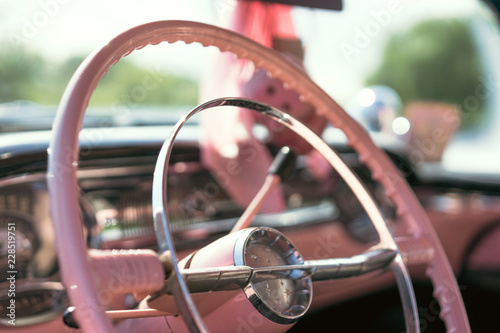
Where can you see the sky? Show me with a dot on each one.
(61, 28)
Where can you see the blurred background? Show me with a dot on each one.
(423, 72)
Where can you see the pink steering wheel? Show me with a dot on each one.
(76, 261)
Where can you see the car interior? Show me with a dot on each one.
(250, 166)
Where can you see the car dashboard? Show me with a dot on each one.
(115, 178)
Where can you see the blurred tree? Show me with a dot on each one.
(28, 76)
(18, 72)
(128, 84)
(434, 61)
(51, 80)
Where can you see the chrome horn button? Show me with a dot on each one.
(282, 296)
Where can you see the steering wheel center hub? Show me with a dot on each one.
(282, 296)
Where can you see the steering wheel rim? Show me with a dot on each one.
(64, 155)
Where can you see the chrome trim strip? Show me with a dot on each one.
(27, 288)
(211, 279)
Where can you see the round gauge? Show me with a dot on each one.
(283, 296)
(18, 242)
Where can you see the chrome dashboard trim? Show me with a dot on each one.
(28, 287)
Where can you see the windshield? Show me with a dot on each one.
(423, 73)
